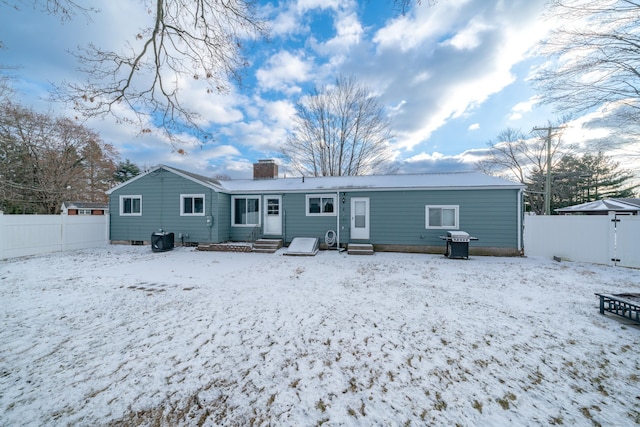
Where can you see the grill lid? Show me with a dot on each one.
(458, 236)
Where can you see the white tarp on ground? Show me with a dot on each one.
(303, 246)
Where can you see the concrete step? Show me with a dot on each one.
(267, 246)
(360, 249)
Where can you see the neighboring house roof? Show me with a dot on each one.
(606, 205)
(453, 180)
(84, 205)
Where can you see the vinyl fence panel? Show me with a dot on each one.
(627, 243)
(584, 238)
(22, 235)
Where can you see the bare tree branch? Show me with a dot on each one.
(66, 9)
(518, 155)
(199, 40)
(594, 60)
(403, 6)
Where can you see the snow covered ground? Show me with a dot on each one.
(125, 336)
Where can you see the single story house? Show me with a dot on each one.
(603, 207)
(84, 208)
(392, 212)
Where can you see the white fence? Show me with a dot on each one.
(599, 239)
(612, 240)
(22, 235)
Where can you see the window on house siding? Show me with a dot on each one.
(131, 205)
(441, 217)
(192, 204)
(245, 211)
(318, 205)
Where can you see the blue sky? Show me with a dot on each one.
(451, 75)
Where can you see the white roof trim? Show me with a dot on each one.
(135, 178)
(434, 181)
(440, 181)
(170, 169)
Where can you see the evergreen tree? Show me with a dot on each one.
(580, 179)
(125, 171)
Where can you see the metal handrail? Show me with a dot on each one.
(254, 234)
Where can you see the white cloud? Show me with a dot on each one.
(258, 135)
(280, 112)
(438, 162)
(469, 37)
(523, 107)
(423, 25)
(213, 108)
(286, 22)
(448, 59)
(304, 6)
(283, 70)
(474, 126)
(349, 32)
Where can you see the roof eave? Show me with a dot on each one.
(172, 170)
(135, 178)
(373, 189)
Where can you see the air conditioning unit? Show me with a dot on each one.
(161, 241)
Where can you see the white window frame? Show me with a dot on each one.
(130, 196)
(321, 196)
(192, 196)
(84, 211)
(233, 211)
(456, 209)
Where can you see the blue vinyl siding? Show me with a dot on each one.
(160, 191)
(397, 217)
(222, 222)
(298, 224)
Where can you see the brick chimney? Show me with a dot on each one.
(265, 169)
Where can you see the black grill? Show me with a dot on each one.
(457, 244)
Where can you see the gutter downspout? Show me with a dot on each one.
(339, 203)
(520, 214)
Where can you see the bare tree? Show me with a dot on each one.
(184, 39)
(516, 155)
(595, 59)
(42, 161)
(339, 130)
(99, 166)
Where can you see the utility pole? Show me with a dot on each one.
(547, 187)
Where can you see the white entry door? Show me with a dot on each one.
(272, 216)
(360, 218)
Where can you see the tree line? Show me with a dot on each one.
(576, 176)
(46, 160)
